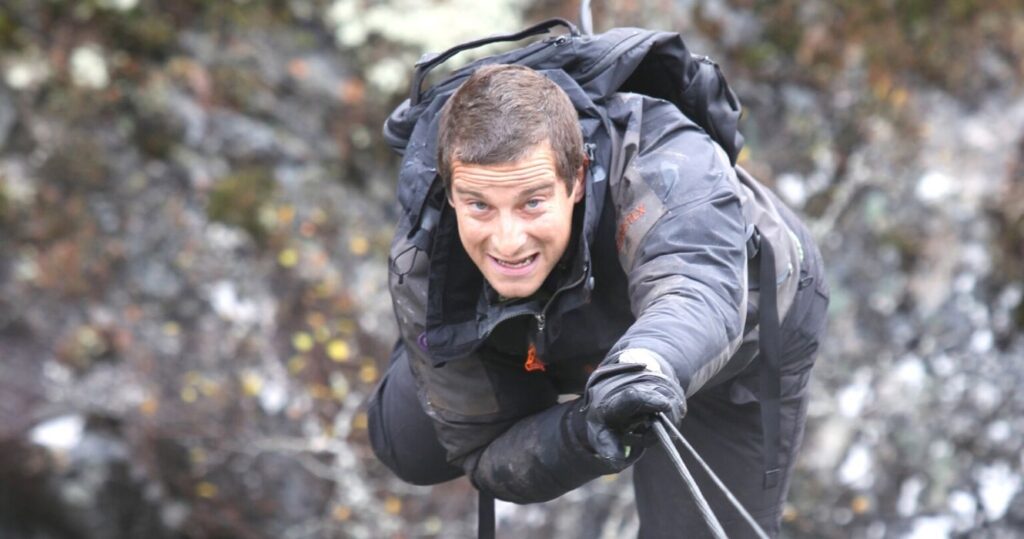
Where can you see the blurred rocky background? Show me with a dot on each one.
(196, 204)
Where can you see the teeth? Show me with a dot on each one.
(519, 264)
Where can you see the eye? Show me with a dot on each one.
(533, 203)
(478, 206)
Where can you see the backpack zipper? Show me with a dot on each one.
(610, 56)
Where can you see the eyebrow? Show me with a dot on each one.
(462, 191)
(467, 192)
(536, 189)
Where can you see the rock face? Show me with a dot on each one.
(195, 210)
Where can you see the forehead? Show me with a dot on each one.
(536, 168)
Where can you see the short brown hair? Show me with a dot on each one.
(501, 113)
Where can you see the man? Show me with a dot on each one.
(616, 265)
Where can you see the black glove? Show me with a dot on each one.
(620, 403)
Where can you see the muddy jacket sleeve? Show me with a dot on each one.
(681, 243)
(504, 427)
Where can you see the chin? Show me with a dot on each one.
(518, 290)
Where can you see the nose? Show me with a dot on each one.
(510, 236)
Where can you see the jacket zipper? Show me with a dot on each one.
(542, 316)
(537, 343)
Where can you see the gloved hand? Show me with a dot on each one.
(621, 401)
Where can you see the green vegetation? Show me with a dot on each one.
(935, 41)
(237, 199)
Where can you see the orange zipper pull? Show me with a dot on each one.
(533, 363)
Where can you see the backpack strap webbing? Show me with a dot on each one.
(485, 524)
(769, 348)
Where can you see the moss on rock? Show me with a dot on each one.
(238, 197)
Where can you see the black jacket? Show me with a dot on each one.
(659, 261)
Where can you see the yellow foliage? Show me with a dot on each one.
(341, 513)
(860, 505)
(302, 341)
(358, 245)
(296, 364)
(288, 258)
(393, 505)
(285, 214)
(338, 350)
(368, 374)
(189, 394)
(347, 326)
(150, 406)
(206, 489)
(252, 383)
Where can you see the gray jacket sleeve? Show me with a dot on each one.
(504, 427)
(682, 245)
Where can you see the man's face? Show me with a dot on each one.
(515, 220)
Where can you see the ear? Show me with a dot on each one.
(577, 186)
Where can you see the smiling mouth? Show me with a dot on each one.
(515, 264)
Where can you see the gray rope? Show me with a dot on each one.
(702, 503)
(663, 419)
(586, 20)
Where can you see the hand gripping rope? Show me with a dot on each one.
(486, 522)
(660, 426)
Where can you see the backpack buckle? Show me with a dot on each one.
(753, 242)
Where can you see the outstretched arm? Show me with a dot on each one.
(688, 289)
(682, 246)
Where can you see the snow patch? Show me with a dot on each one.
(931, 528)
(273, 396)
(935, 187)
(982, 341)
(853, 397)
(89, 68)
(119, 5)
(909, 492)
(856, 470)
(226, 303)
(997, 485)
(911, 374)
(59, 434)
(964, 507)
(792, 189)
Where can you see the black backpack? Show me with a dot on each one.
(648, 62)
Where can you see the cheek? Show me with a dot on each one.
(553, 229)
(471, 232)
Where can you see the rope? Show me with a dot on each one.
(702, 503)
(586, 19)
(663, 420)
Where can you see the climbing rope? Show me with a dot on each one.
(702, 504)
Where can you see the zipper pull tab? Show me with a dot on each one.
(533, 363)
(533, 356)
